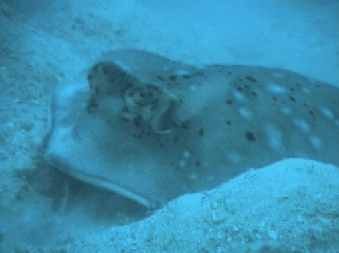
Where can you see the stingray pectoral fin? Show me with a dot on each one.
(87, 158)
(105, 184)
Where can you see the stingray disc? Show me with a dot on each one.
(151, 129)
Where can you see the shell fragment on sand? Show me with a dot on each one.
(151, 129)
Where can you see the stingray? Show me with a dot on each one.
(151, 129)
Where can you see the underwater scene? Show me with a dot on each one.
(169, 126)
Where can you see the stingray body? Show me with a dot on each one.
(151, 129)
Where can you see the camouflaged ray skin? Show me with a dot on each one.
(152, 129)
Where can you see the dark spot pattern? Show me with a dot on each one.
(251, 79)
(311, 112)
(186, 125)
(173, 78)
(250, 136)
(244, 87)
(229, 101)
(201, 132)
(292, 99)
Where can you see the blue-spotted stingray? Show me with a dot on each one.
(151, 129)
